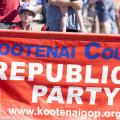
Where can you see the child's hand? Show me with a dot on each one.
(27, 27)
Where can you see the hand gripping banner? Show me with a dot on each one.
(49, 76)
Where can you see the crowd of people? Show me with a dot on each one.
(87, 16)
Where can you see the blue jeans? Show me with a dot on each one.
(40, 2)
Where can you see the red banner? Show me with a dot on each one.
(51, 76)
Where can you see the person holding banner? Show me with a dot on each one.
(27, 13)
(9, 12)
(106, 15)
(63, 5)
(53, 19)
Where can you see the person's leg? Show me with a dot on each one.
(119, 24)
(64, 11)
(105, 27)
(80, 19)
(118, 20)
(77, 6)
(117, 11)
(113, 19)
(103, 16)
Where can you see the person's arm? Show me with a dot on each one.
(26, 0)
(59, 3)
(92, 1)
